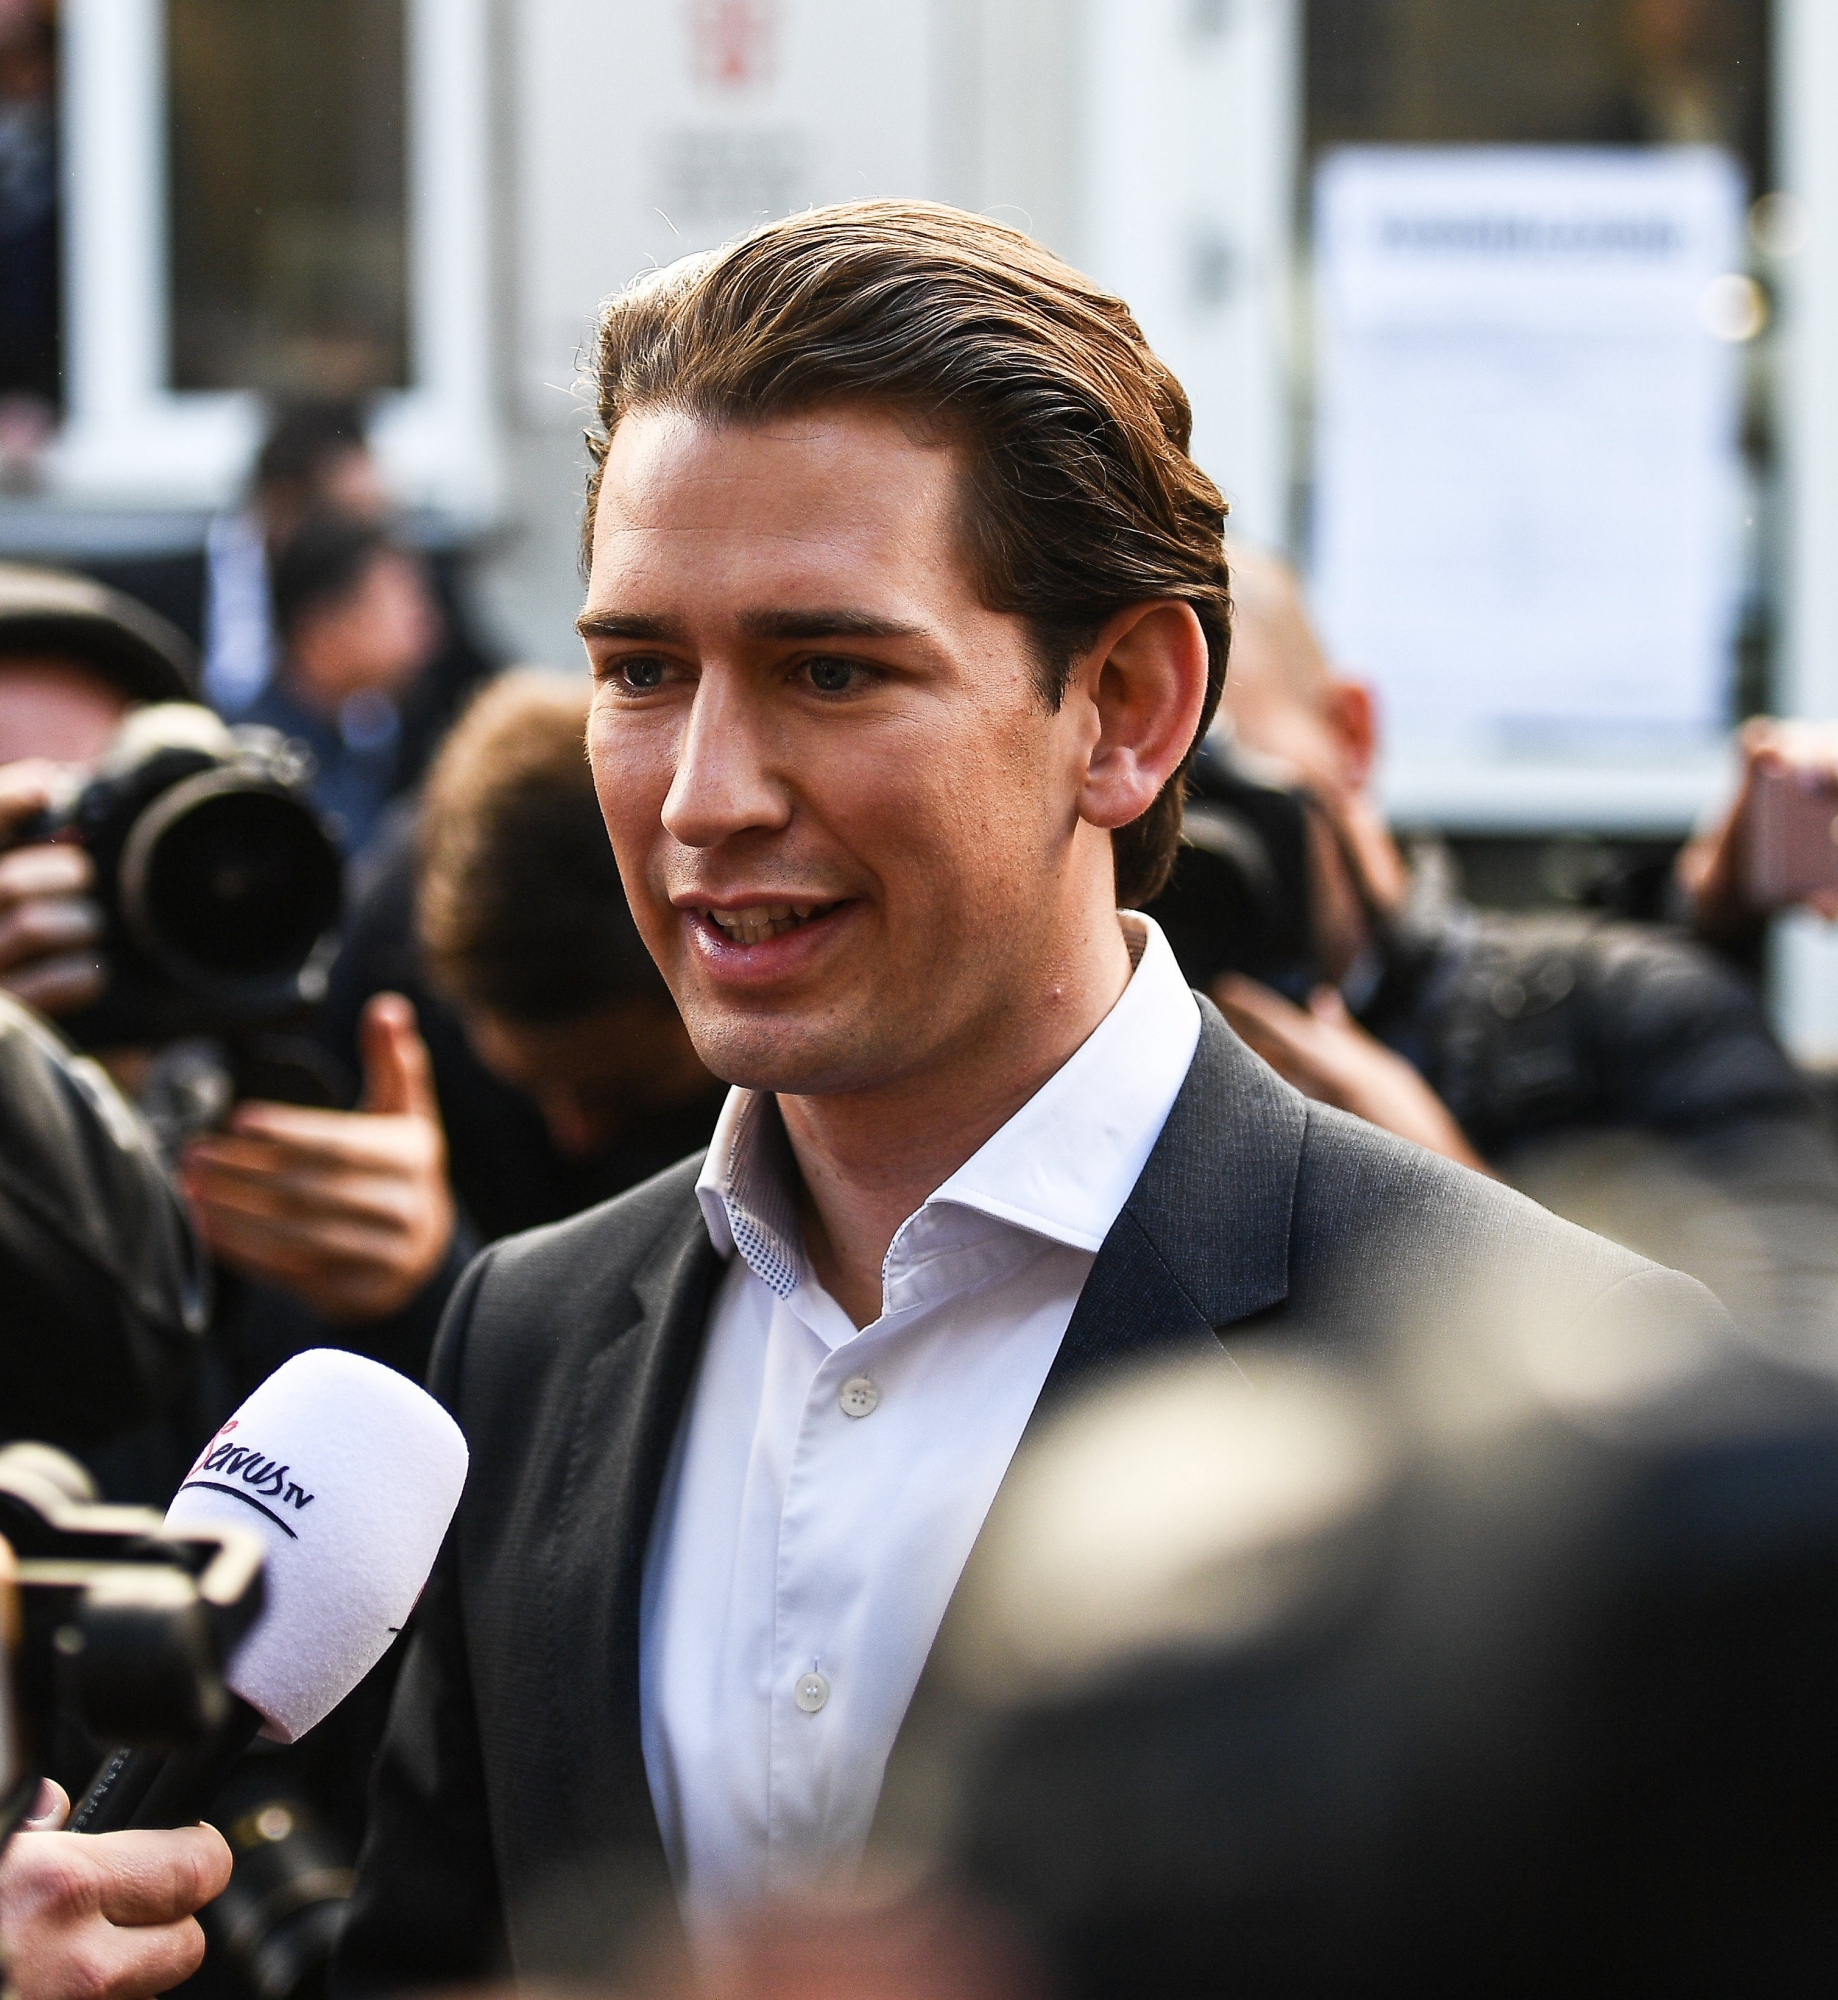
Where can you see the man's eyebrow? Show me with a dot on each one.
(818, 623)
(629, 625)
(824, 623)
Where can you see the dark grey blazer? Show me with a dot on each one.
(512, 1825)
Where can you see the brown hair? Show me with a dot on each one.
(1081, 499)
(519, 906)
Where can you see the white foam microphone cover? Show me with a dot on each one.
(350, 1474)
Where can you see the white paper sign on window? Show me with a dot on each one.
(1527, 483)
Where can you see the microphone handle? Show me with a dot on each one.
(115, 1792)
(161, 1788)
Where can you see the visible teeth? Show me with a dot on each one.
(756, 925)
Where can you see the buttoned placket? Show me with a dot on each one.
(798, 1654)
(941, 1251)
(828, 1503)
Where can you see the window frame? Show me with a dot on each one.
(128, 437)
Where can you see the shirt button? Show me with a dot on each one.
(858, 1396)
(811, 1693)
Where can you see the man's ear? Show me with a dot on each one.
(1352, 713)
(1145, 678)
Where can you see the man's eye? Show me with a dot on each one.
(832, 676)
(640, 676)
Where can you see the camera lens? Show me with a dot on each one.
(1238, 899)
(277, 1922)
(230, 884)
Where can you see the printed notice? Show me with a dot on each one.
(1527, 485)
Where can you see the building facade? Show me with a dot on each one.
(423, 201)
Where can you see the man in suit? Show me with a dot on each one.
(907, 610)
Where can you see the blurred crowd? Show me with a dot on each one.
(486, 1045)
(490, 1045)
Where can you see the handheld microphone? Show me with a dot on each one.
(350, 1474)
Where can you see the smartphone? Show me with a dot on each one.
(1792, 836)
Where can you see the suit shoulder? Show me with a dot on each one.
(1432, 1216)
(1389, 1241)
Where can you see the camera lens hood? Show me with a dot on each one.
(230, 885)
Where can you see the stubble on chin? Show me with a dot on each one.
(789, 1055)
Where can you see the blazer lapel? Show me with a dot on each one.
(632, 1399)
(1203, 1240)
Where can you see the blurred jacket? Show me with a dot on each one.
(1627, 1077)
(106, 1293)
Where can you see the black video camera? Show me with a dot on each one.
(1241, 897)
(123, 1629)
(220, 884)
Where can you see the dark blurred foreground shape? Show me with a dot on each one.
(104, 1294)
(1504, 1672)
(1507, 1673)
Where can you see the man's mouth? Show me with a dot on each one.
(763, 920)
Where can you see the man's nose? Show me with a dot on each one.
(725, 781)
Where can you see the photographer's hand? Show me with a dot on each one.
(49, 925)
(1328, 1056)
(1712, 867)
(104, 1916)
(348, 1210)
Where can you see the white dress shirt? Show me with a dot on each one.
(827, 1484)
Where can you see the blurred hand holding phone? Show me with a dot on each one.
(1776, 846)
(1791, 848)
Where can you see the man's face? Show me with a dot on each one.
(378, 636)
(56, 708)
(847, 824)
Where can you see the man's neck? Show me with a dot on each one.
(868, 1159)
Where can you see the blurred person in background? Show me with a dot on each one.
(28, 236)
(523, 1057)
(356, 626)
(74, 658)
(1624, 1074)
(562, 1067)
(315, 459)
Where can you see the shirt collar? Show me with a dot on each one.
(1061, 1168)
